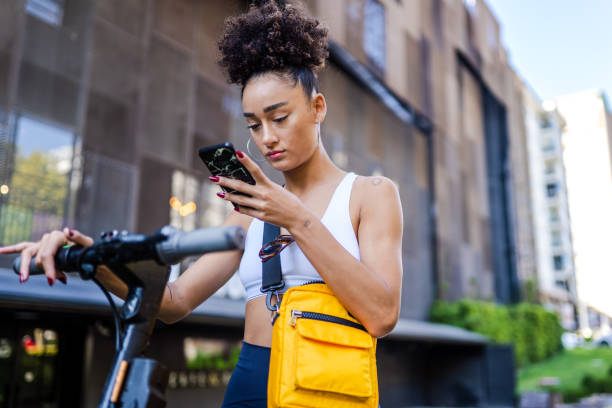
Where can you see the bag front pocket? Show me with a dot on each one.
(333, 355)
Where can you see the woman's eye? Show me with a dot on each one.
(278, 120)
(253, 126)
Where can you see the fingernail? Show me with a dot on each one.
(50, 281)
(239, 154)
(70, 232)
(220, 194)
(20, 278)
(237, 209)
(62, 279)
(214, 179)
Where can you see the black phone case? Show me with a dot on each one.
(221, 161)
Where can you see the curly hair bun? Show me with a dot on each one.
(271, 38)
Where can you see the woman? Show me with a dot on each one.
(347, 228)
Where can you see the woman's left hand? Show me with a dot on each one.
(268, 202)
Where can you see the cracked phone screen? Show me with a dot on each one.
(222, 161)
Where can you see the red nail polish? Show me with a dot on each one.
(239, 154)
(237, 209)
(62, 279)
(214, 179)
(50, 281)
(70, 232)
(222, 195)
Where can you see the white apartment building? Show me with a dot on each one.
(551, 223)
(588, 167)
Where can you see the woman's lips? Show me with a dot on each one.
(275, 154)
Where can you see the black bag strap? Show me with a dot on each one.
(271, 274)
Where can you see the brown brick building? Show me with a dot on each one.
(113, 98)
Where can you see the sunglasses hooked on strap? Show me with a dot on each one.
(273, 248)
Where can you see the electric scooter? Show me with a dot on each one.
(142, 263)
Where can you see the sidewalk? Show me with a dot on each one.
(541, 399)
(594, 401)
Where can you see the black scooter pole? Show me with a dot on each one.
(140, 310)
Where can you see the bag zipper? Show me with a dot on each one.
(298, 314)
(312, 281)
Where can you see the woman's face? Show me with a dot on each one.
(282, 120)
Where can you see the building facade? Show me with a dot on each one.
(587, 157)
(104, 104)
(556, 282)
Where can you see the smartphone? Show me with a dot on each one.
(221, 160)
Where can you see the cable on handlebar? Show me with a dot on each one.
(115, 313)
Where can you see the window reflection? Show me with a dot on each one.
(209, 363)
(37, 192)
(374, 33)
(49, 11)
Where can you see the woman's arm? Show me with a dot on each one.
(202, 279)
(371, 288)
(193, 287)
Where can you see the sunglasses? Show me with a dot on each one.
(273, 248)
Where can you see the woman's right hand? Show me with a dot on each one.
(44, 252)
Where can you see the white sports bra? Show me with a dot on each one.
(296, 268)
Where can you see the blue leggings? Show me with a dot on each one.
(249, 382)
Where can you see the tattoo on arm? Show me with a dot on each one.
(307, 223)
(376, 181)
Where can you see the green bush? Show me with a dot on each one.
(534, 331)
(589, 385)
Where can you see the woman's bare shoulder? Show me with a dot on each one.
(373, 195)
(375, 188)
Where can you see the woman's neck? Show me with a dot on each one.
(314, 171)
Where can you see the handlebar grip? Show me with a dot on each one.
(198, 242)
(34, 270)
(65, 260)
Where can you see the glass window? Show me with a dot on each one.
(553, 214)
(548, 146)
(555, 238)
(471, 6)
(558, 262)
(37, 194)
(29, 368)
(551, 189)
(209, 363)
(562, 284)
(49, 11)
(374, 33)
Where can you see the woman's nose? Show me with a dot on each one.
(269, 136)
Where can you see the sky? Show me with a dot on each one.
(558, 46)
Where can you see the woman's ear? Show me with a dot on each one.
(319, 107)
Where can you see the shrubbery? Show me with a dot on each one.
(590, 385)
(534, 331)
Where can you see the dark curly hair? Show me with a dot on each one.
(277, 37)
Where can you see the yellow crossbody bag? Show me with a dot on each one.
(321, 356)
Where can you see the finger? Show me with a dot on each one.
(10, 249)
(252, 167)
(237, 185)
(46, 255)
(77, 237)
(250, 212)
(26, 257)
(240, 199)
(61, 276)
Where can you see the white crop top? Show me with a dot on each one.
(296, 268)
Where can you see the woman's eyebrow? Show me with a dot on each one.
(266, 109)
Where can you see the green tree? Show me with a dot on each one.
(38, 185)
